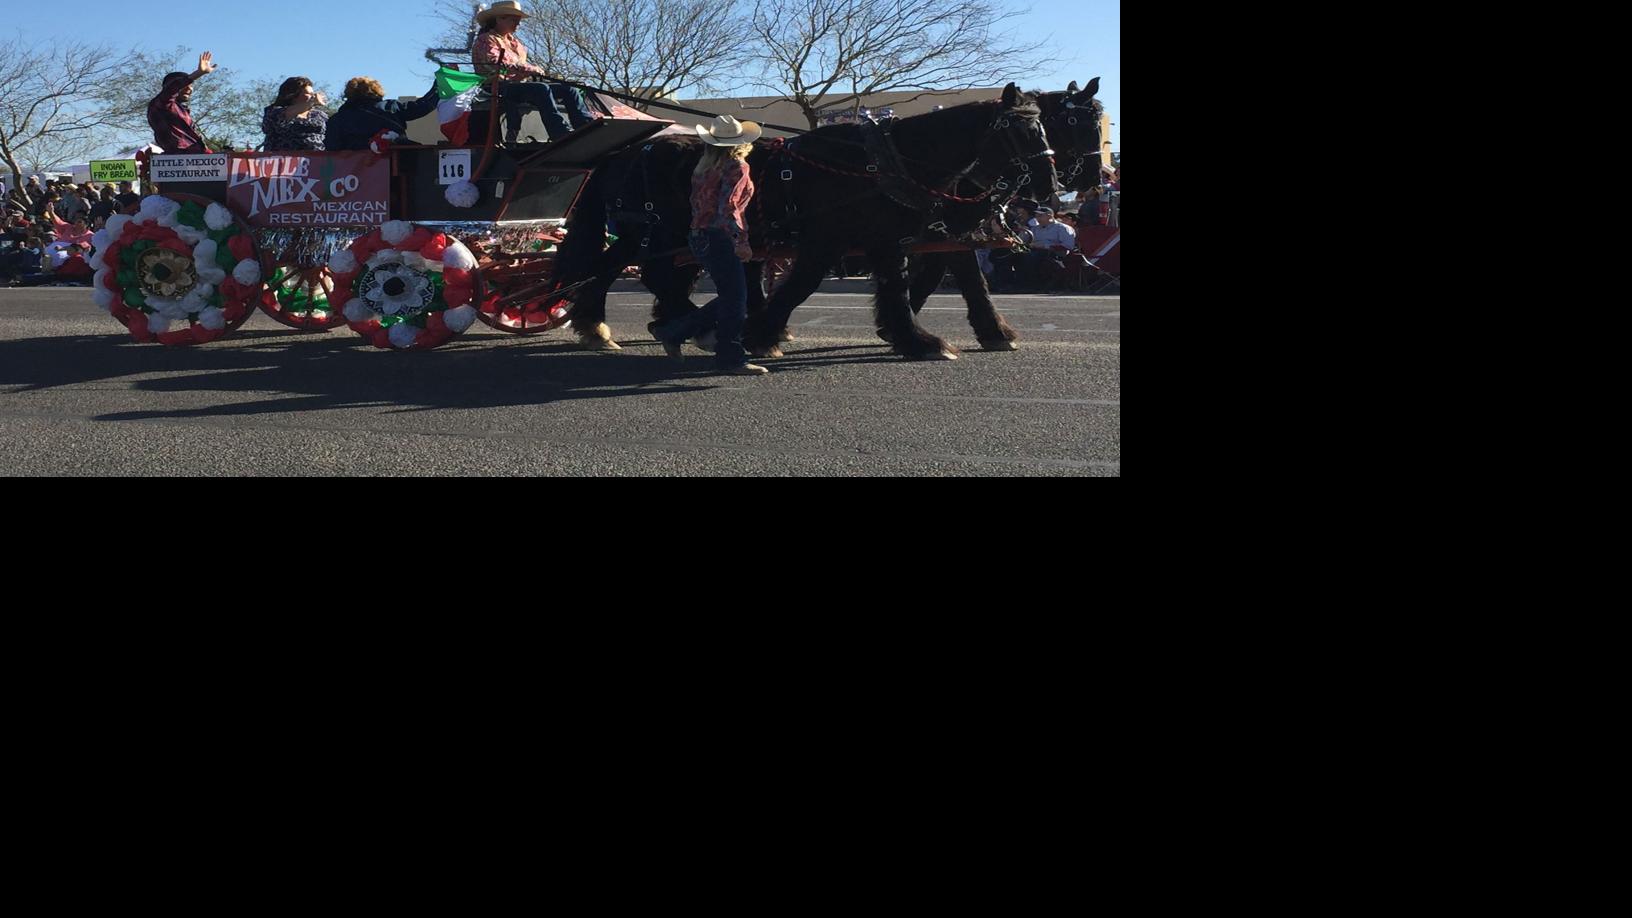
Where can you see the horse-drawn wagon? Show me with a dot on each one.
(407, 244)
(410, 244)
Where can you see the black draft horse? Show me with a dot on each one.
(832, 189)
(1072, 119)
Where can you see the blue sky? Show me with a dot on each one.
(334, 40)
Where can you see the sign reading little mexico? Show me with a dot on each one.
(114, 170)
(319, 189)
(210, 167)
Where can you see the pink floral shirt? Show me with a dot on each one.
(719, 199)
(494, 50)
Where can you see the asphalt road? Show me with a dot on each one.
(77, 397)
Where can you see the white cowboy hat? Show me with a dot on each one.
(729, 132)
(501, 8)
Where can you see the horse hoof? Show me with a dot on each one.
(599, 338)
(1001, 344)
(766, 353)
(948, 354)
(885, 336)
(787, 337)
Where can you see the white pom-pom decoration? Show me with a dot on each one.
(396, 231)
(386, 257)
(102, 295)
(463, 195)
(213, 319)
(343, 262)
(415, 261)
(247, 273)
(189, 235)
(403, 335)
(96, 261)
(116, 225)
(357, 311)
(210, 272)
(204, 253)
(460, 320)
(217, 217)
(192, 303)
(156, 209)
(157, 324)
(100, 240)
(167, 307)
(458, 257)
(205, 291)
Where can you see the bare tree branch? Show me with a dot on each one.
(649, 48)
(809, 48)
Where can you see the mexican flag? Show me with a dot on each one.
(458, 94)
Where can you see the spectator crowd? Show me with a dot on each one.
(48, 230)
(1051, 256)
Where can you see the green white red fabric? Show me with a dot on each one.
(458, 93)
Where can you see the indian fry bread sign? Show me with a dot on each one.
(310, 190)
(114, 170)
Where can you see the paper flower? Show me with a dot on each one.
(458, 257)
(396, 231)
(397, 290)
(217, 217)
(463, 195)
(404, 335)
(460, 320)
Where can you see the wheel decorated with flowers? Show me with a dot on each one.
(514, 307)
(181, 271)
(303, 298)
(407, 286)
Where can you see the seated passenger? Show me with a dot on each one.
(367, 112)
(297, 120)
(499, 50)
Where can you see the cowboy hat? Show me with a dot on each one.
(729, 132)
(501, 8)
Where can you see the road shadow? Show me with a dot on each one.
(302, 372)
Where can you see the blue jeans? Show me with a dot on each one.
(556, 103)
(716, 251)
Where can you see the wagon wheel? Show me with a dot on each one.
(519, 299)
(302, 298)
(148, 262)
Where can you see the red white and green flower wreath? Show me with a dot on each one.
(408, 287)
(177, 261)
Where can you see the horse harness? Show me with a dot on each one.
(648, 217)
(889, 169)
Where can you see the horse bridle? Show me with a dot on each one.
(1074, 117)
(1012, 129)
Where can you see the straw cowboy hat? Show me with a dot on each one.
(502, 8)
(729, 132)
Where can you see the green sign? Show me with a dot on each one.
(114, 170)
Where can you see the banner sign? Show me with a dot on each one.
(203, 167)
(309, 189)
(114, 170)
